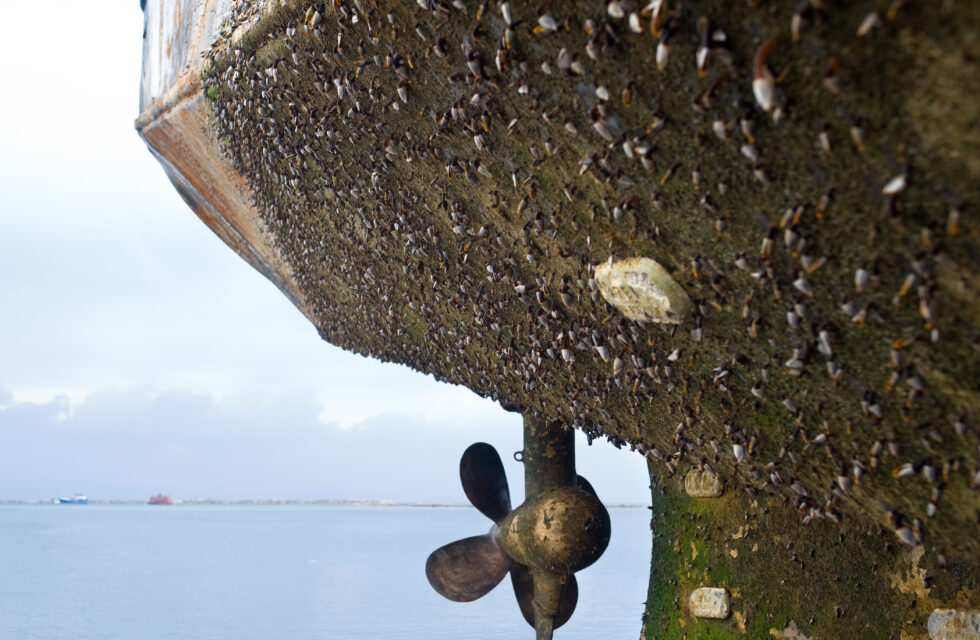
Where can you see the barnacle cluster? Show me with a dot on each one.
(444, 177)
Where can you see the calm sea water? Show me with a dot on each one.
(277, 572)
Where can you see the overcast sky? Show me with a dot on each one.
(138, 354)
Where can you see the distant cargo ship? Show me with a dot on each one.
(161, 499)
(78, 499)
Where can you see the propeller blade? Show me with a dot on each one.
(585, 484)
(520, 577)
(467, 569)
(484, 481)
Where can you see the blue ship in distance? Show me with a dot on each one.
(78, 499)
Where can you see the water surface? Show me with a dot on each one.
(284, 572)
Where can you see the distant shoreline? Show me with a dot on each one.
(356, 503)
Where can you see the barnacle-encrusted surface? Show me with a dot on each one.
(441, 177)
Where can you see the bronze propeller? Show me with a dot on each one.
(560, 528)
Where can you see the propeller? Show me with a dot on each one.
(541, 560)
(469, 568)
(523, 583)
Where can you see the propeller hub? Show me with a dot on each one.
(561, 531)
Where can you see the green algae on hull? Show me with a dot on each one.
(827, 581)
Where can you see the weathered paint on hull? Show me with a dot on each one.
(174, 124)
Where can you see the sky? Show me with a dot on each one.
(139, 354)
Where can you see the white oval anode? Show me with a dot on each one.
(642, 290)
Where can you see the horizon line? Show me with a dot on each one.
(282, 501)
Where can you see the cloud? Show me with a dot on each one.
(133, 443)
(130, 444)
(400, 391)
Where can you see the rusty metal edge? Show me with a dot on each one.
(203, 180)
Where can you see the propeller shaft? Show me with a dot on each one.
(548, 588)
(543, 628)
(549, 455)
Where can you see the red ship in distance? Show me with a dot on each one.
(160, 499)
